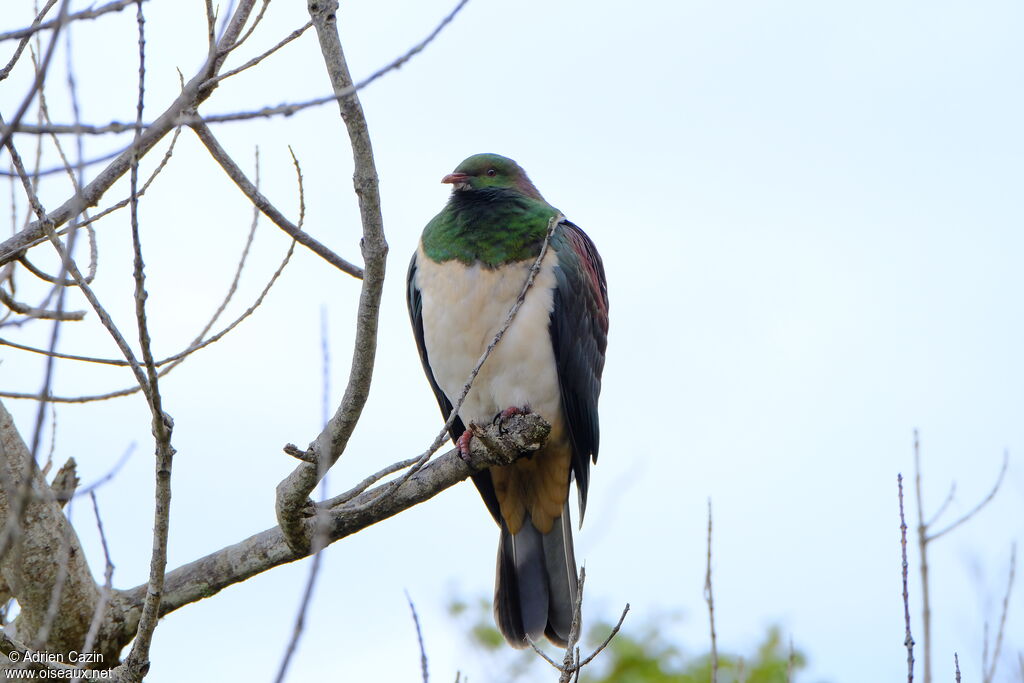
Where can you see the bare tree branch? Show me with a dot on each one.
(293, 492)
(908, 640)
(194, 92)
(37, 82)
(40, 313)
(116, 6)
(108, 576)
(571, 663)
(5, 72)
(73, 128)
(204, 133)
(339, 93)
(137, 663)
(419, 638)
(984, 501)
(175, 359)
(31, 567)
(612, 634)
(709, 597)
(925, 537)
(922, 547)
(320, 538)
(989, 669)
(515, 435)
(259, 58)
(191, 118)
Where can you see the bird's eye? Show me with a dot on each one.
(491, 172)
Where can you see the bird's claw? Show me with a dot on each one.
(462, 445)
(509, 412)
(512, 410)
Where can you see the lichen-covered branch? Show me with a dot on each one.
(508, 439)
(31, 567)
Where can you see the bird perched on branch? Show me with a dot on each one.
(468, 270)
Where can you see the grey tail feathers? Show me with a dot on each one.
(536, 583)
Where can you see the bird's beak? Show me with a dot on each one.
(455, 179)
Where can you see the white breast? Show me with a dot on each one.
(463, 308)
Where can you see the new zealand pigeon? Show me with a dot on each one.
(467, 272)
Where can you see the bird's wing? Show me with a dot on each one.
(415, 301)
(579, 336)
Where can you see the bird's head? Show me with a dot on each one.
(484, 171)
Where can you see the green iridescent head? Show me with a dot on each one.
(484, 171)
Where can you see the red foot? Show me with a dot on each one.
(462, 445)
(515, 410)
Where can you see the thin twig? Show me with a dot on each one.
(259, 58)
(544, 655)
(221, 156)
(170, 359)
(38, 313)
(945, 503)
(909, 640)
(68, 265)
(368, 481)
(300, 617)
(977, 508)
(603, 645)
(7, 131)
(22, 495)
(196, 345)
(108, 576)
(51, 128)
(709, 597)
(5, 72)
(137, 662)
(74, 174)
(570, 662)
(245, 36)
(267, 549)
(922, 547)
(63, 356)
(925, 537)
(419, 638)
(192, 118)
(990, 672)
(109, 475)
(293, 492)
(339, 93)
(191, 96)
(320, 535)
(57, 23)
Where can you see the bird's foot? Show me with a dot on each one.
(462, 445)
(509, 412)
(512, 410)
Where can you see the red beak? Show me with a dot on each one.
(455, 178)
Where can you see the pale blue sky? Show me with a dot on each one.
(812, 222)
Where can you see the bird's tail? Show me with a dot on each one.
(536, 584)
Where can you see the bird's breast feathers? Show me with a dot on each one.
(463, 308)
